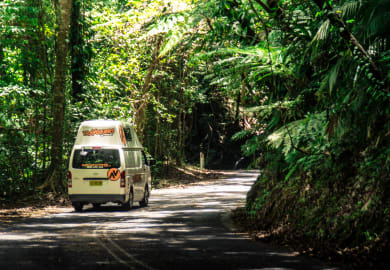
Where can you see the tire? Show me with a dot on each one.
(96, 205)
(129, 204)
(78, 206)
(145, 200)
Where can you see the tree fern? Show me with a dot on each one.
(265, 111)
(175, 27)
(300, 133)
(257, 63)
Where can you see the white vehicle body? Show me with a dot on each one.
(108, 164)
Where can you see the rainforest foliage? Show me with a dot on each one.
(297, 88)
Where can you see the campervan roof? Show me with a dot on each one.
(107, 132)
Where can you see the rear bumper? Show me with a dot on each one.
(101, 198)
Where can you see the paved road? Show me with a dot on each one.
(183, 228)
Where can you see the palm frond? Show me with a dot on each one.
(334, 74)
(330, 79)
(350, 9)
(322, 32)
(379, 25)
(375, 19)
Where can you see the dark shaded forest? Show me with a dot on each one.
(296, 88)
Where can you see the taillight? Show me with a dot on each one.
(69, 179)
(123, 179)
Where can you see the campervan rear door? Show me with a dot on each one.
(96, 170)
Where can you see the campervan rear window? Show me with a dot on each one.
(96, 159)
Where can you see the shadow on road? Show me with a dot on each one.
(182, 228)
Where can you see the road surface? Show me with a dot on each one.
(183, 228)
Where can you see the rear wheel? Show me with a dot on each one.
(145, 200)
(129, 204)
(78, 206)
(96, 205)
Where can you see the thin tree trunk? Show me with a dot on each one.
(179, 138)
(2, 71)
(76, 50)
(140, 113)
(157, 134)
(45, 68)
(183, 137)
(54, 179)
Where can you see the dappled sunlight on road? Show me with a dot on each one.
(182, 227)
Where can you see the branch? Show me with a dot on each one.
(264, 6)
(347, 35)
(156, 59)
(267, 39)
(293, 145)
(209, 24)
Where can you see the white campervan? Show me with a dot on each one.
(108, 164)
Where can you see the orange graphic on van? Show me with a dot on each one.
(101, 132)
(113, 174)
(122, 133)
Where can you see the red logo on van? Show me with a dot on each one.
(113, 174)
(101, 132)
(122, 134)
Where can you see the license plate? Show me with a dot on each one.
(96, 183)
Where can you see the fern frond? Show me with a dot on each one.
(256, 62)
(333, 74)
(322, 32)
(266, 110)
(298, 133)
(241, 135)
(350, 9)
(174, 27)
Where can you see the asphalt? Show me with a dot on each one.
(182, 228)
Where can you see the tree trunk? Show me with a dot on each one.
(157, 133)
(76, 50)
(179, 138)
(43, 56)
(54, 180)
(157, 138)
(2, 70)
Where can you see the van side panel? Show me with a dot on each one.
(134, 170)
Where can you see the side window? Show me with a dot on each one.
(127, 134)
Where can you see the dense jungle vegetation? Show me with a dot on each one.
(297, 88)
